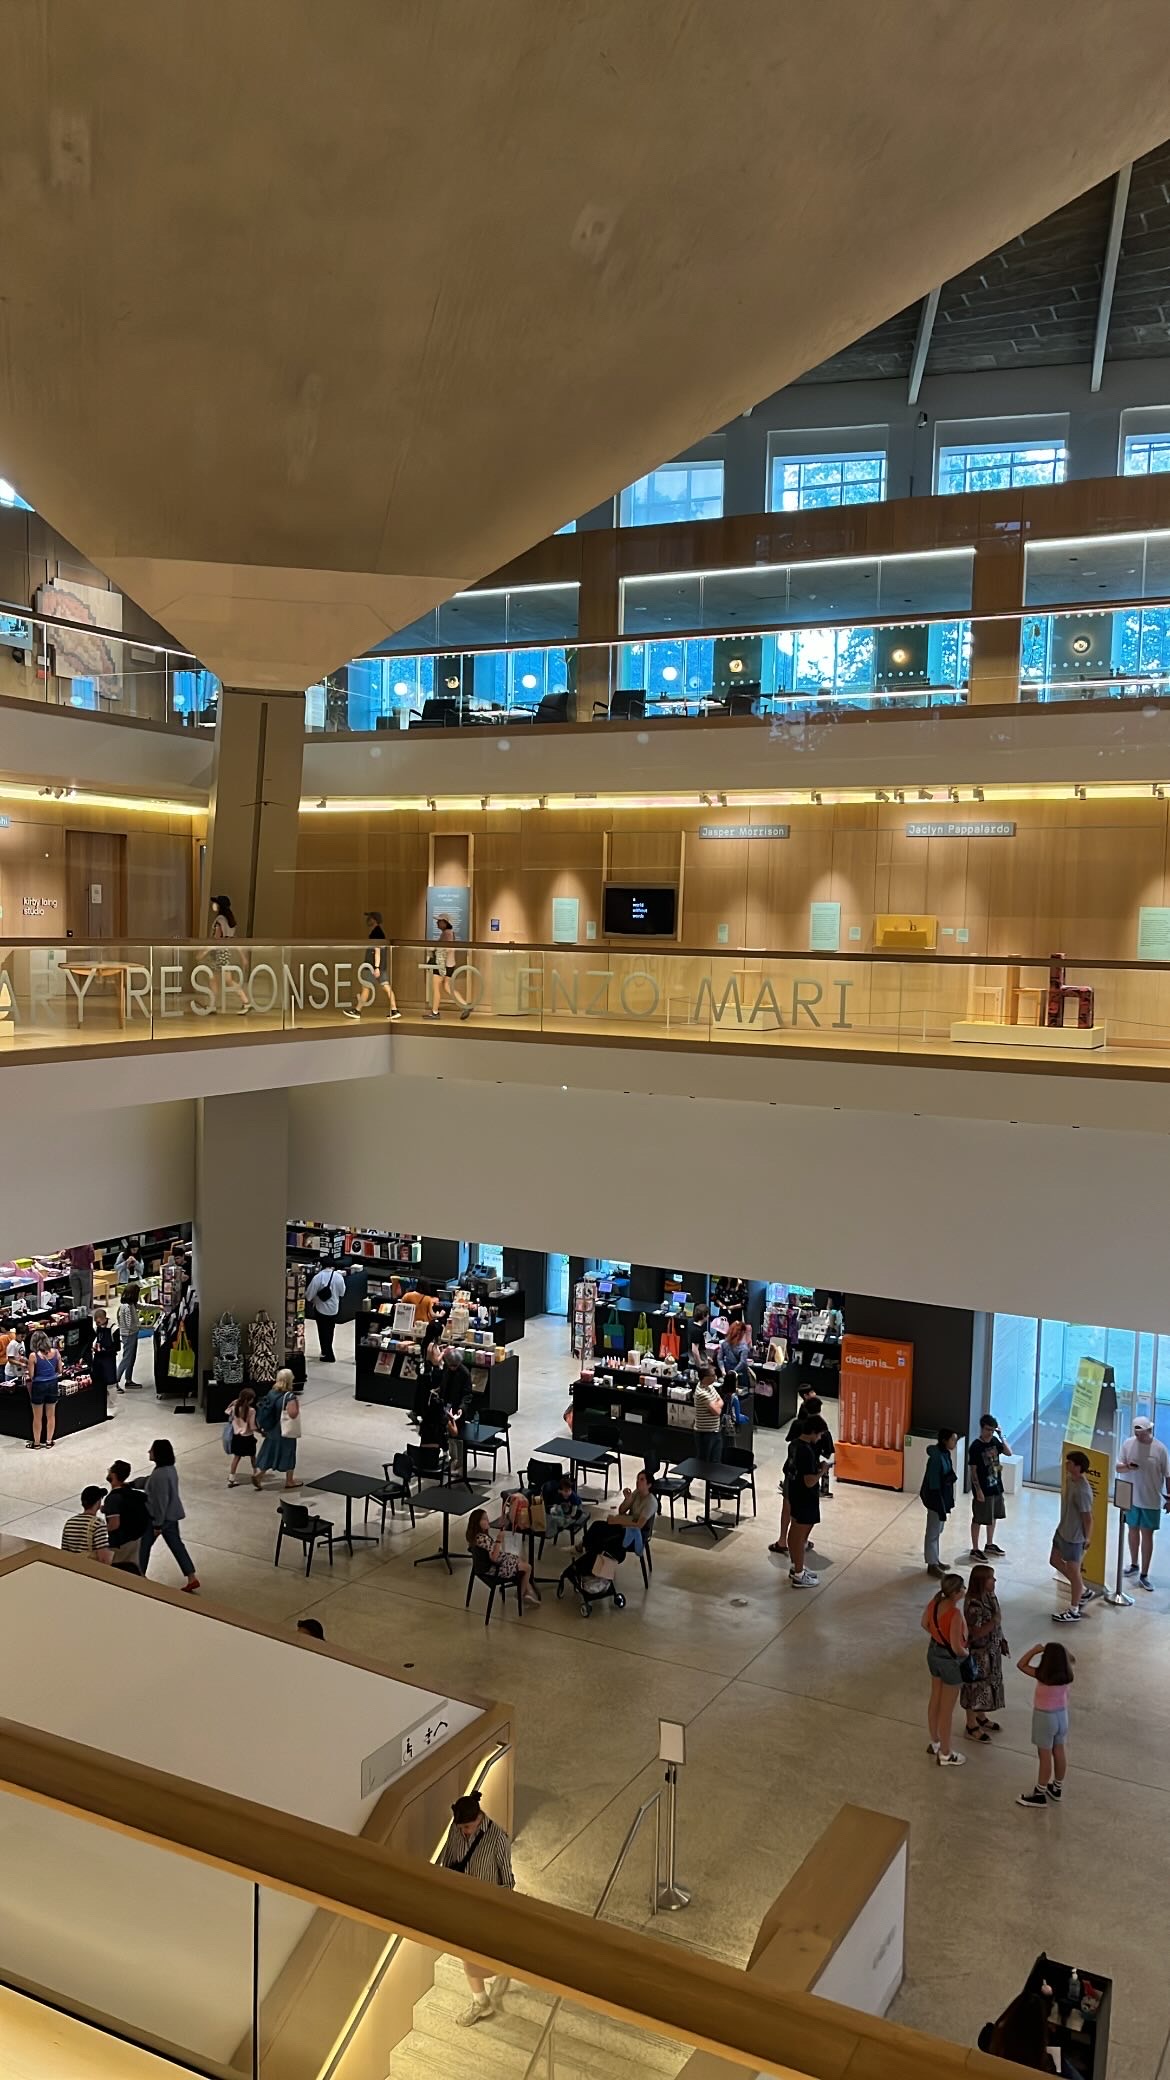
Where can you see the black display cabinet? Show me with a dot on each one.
(501, 1392)
(79, 1410)
(628, 1414)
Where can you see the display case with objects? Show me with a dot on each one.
(80, 1404)
(646, 1411)
(34, 1294)
(388, 1359)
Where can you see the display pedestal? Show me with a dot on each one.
(75, 1412)
(986, 1033)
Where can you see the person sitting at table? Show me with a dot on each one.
(637, 1508)
(510, 1567)
(564, 1509)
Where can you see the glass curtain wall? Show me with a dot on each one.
(1034, 1365)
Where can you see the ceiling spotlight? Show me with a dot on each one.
(1080, 794)
(432, 804)
(323, 803)
(952, 794)
(976, 794)
(925, 795)
(542, 801)
(1158, 791)
(880, 795)
(485, 801)
(818, 798)
(899, 794)
(722, 800)
(706, 801)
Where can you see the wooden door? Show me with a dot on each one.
(95, 886)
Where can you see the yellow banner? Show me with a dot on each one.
(1086, 1399)
(1100, 1479)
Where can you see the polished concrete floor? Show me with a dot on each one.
(794, 1702)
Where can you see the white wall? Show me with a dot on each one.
(73, 1176)
(966, 1212)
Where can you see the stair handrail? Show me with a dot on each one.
(546, 2040)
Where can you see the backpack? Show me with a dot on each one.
(262, 1361)
(227, 1351)
(268, 1412)
(133, 1515)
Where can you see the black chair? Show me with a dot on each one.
(441, 712)
(623, 706)
(396, 1488)
(421, 1463)
(487, 1571)
(743, 1462)
(493, 1447)
(296, 1521)
(732, 1481)
(553, 707)
(646, 1557)
(670, 1489)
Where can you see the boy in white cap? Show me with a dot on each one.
(1144, 1461)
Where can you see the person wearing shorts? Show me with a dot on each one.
(1072, 1535)
(1051, 1669)
(1145, 1463)
(43, 1381)
(946, 1630)
(802, 1484)
(987, 1504)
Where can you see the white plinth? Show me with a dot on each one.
(981, 1033)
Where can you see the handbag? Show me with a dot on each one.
(290, 1426)
(613, 1335)
(668, 1346)
(229, 1438)
(181, 1363)
(643, 1340)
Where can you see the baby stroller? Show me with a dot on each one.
(581, 1575)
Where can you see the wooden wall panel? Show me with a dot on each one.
(158, 885)
(1073, 877)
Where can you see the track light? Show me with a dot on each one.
(323, 803)
(723, 801)
(976, 794)
(432, 804)
(485, 801)
(1158, 791)
(880, 795)
(899, 794)
(542, 801)
(952, 794)
(706, 801)
(818, 797)
(925, 795)
(1080, 794)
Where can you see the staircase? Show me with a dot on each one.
(588, 2046)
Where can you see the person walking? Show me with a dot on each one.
(165, 1506)
(1072, 1535)
(442, 963)
(240, 1416)
(127, 1519)
(708, 1411)
(982, 1693)
(103, 1357)
(43, 1374)
(377, 970)
(937, 1495)
(987, 1504)
(223, 931)
(946, 1652)
(86, 1532)
(129, 1323)
(476, 1848)
(1146, 1463)
(809, 1404)
(802, 1485)
(323, 1296)
(278, 1417)
(1051, 1669)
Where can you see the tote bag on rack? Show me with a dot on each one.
(668, 1346)
(643, 1341)
(181, 1363)
(613, 1335)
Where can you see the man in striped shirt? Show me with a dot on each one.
(86, 1532)
(476, 1848)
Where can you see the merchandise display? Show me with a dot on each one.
(34, 1291)
(391, 1338)
(376, 1246)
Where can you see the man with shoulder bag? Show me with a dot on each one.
(476, 1848)
(323, 1297)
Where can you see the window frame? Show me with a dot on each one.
(779, 460)
(627, 516)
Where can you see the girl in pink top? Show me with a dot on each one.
(1051, 1669)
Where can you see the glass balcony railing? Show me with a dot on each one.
(802, 672)
(62, 996)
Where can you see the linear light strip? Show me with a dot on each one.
(83, 799)
(720, 799)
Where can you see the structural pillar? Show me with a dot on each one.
(255, 806)
(241, 1210)
(598, 615)
(997, 588)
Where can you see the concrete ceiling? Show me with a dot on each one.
(311, 313)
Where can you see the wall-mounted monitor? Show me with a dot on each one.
(639, 913)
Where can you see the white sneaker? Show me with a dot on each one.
(805, 1579)
(479, 2011)
(951, 1761)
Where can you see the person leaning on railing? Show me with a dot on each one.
(476, 1848)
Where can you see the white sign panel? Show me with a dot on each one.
(743, 830)
(960, 830)
(398, 1754)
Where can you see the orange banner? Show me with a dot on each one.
(875, 1392)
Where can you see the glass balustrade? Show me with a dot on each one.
(62, 996)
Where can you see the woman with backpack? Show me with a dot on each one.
(279, 1419)
(949, 1665)
(240, 1435)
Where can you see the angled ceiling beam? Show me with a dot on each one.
(926, 318)
(1109, 273)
